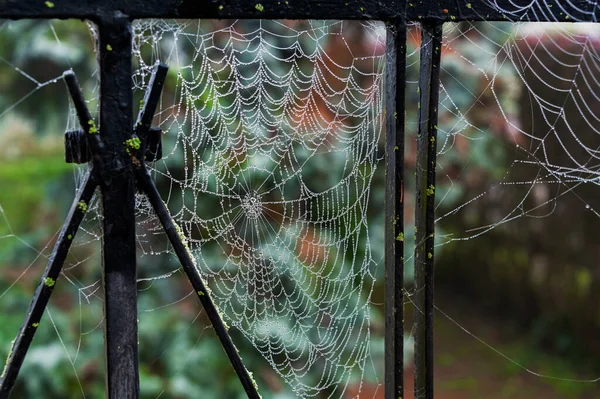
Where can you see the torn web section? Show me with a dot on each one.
(517, 191)
(270, 153)
(37, 190)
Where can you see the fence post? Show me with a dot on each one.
(118, 200)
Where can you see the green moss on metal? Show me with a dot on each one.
(430, 190)
(93, 129)
(132, 144)
(49, 4)
(49, 282)
(259, 7)
(12, 346)
(253, 381)
(82, 206)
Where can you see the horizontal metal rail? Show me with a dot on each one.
(410, 10)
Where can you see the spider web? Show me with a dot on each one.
(279, 137)
(517, 181)
(552, 67)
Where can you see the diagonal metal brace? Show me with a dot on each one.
(55, 264)
(145, 182)
(175, 236)
(46, 285)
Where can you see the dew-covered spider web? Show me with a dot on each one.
(273, 138)
(539, 87)
(517, 183)
(276, 126)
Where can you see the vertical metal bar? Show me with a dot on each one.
(118, 191)
(175, 235)
(394, 208)
(46, 286)
(429, 85)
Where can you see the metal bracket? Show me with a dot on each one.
(77, 149)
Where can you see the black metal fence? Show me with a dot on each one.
(117, 170)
